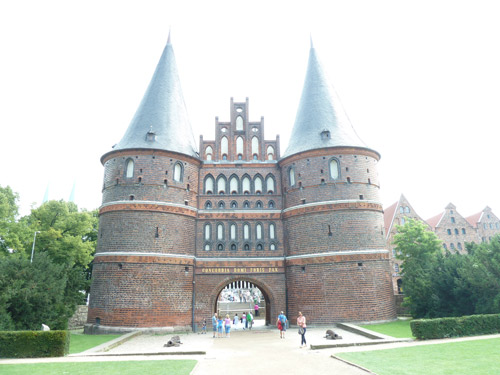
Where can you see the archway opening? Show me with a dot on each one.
(240, 297)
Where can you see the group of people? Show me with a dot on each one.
(282, 323)
(222, 326)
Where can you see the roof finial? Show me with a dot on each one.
(169, 31)
(311, 38)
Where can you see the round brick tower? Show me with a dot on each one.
(337, 265)
(143, 269)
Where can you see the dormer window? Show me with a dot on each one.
(150, 136)
(325, 134)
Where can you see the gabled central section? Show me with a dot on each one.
(239, 140)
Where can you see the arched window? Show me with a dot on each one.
(208, 152)
(233, 247)
(239, 145)
(130, 168)
(270, 153)
(255, 146)
(271, 204)
(407, 210)
(334, 169)
(224, 147)
(246, 185)
(291, 176)
(246, 204)
(246, 232)
(209, 185)
(258, 231)
(259, 246)
(270, 184)
(233, 185)
(221, 205)
(234, 204)
(207, 232)
(207, 247)
(258, 185)
(220, 232)
(178, 172)
(401, 210)
(232, 231)
(246, 247)
(239, 123)
(208, 205)
(221, 185)
(272, 247)
(272, 233)
(258, 204)
(220, 247)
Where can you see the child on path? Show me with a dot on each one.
(227, 325)
(204, 328)
(281, 323)
(244, 320)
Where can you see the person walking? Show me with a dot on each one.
(227, 325)
(244, 320)
(256, 308)
(250, 320)
(301, 322)
(220, 324)
(281, 323)
(236, 322)
(214, 323)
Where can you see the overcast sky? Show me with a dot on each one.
(419, 80)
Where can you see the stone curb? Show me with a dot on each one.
(353, 365)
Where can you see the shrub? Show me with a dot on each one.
(34, 344)
(425, 329)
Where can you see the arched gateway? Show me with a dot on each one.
(179, 222)
(244, 303)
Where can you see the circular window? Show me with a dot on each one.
(255, 130)
(239, 110)
(223, 130)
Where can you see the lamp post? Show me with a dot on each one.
(33, 248)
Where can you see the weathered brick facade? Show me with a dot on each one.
(307, 229)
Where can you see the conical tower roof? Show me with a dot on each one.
(161, 121)
(321, 120)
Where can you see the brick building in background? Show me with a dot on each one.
(450, 227)
(178, 225)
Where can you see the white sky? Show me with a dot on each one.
(419, 80)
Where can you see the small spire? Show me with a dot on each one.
(169, 32)
(311, 39)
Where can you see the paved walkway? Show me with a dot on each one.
(247, 352)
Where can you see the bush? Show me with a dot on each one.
(34, 344)
(425, 329)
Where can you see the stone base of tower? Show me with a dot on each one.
(343, 288)
(132, 293)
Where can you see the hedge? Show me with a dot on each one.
(425, 329)
(34, 344)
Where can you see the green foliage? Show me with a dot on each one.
(48, 290)
(34, 344)
(34, 293)
(425, 329)
(13, 234)
(418, 248)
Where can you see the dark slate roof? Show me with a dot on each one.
(321, 121)
(162, 113)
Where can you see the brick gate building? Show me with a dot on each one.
(177, 225)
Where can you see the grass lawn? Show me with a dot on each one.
(80, 342)
(170, 367)
(478, 357)
(399, 328)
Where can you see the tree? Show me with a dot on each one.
(33, 293)
(13, 234)
(48, 289)
(418, 248)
